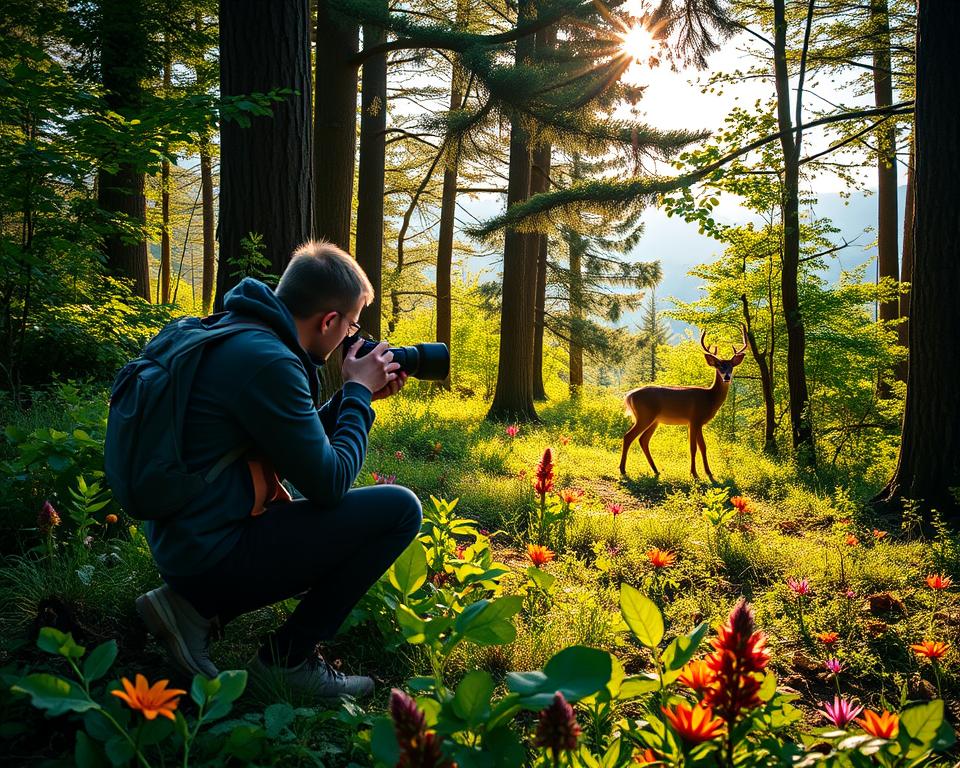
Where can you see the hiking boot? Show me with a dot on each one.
(313, 677)
(180, 629)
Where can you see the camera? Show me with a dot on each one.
(428, 361)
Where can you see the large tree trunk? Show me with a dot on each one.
(766, 380)
(576, 246)
(370, 181)
(209, 240)
(265, 172)
(123, 47)
(513, 397)
(929, 462)
(539, 182)
(887, 247)
(800, 421)
(165, 197)
(906, 264)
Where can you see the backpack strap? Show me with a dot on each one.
(227, 460)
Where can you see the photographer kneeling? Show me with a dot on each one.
(242, 543)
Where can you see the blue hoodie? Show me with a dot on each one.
(259, 387)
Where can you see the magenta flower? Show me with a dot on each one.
(850, 594)
(801, 587)
(379, 479)
(834, 666)
(512, 430)
(840, 712)
(615, 509)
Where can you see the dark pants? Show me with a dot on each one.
(334, 554)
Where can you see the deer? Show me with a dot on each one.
(652, 406)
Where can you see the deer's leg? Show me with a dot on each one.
(693, 451)
(703, 452)
(645, 444)
(632, 434)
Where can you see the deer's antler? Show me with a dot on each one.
(743, 332)
(703, 335)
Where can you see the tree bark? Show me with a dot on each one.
(929, 462)
(800, 421)
(265, 171)
(370, 177)
(906, 265)
(165, 195)
(209, 240)
(766, 382)
(576, 245)
(123, 46)
(539, 182)
(513, 397)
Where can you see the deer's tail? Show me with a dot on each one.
(627, 407)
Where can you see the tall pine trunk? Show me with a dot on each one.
(265, 172)
(121, 193)
(929, 462)
(906, 264)
(790, 141)
(540, 182)
(209, 241)
(887, 246)
(370, 176)
(513, 397)
(165, 195)
(576, 245)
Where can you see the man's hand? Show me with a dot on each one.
(392, 388)
(375, 370)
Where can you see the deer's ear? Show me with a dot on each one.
(711, 360)
(737, 359)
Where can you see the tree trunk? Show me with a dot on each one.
(576, 246)
(209, 248)
(370, 177)
(929, 462)
(265, 173)
(800, 421)
(539, 182)
(513, 397)
(165, 195)
(906, 265)
(123, 47)
(766, 383)
(887, 247)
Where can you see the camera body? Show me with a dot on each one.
(429, 361)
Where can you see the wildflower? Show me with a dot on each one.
(543, 475)
(151, 700)
(850, 594)
(539, 555)
(939, 581)
(828, 638)
(852, 540)
(801, 587)
(483, 532)
(48, 519)
(693, 724)
(88, 541)
(379, 479)
(615, 509)
(564, 440)
(697, 676)
(571, 495)
(834, 666)
(661, 558)
(741, 504)
(646, 757)
(613, 551)
(399, 455)
(512, 430)
(885, 725)
(738, 661)
(417, 747)
(930, 649)
(879, 535)
(110, 519)
(840, 712)
(461, 548)
(557, 729)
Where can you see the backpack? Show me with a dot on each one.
(143, 451)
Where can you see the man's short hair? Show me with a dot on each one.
(322, 278)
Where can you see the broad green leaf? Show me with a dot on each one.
(472, 698)
(59, 643)
(54, 694)
(681, 649)
(576, 672)
(230, 685)
(98, 663)
(409, 571)
(490, 623)
(412, 626)
(638, 685)
(276, 717)
(87, 753)
(383, 743)
(642, 616)
(921, 723)
(541, 578)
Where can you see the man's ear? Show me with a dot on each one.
(737, 359)
(324, 319)
(711, 360)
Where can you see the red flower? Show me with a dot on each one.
(543, 475)
(512, 430)
(646, 757)
(741, 504)
(938, 581)
(557, 729)
(697, 676)
(739, 660)
(930, 649)
(399, 455)
(828, 638)
(661, 558)
(615, 509)
(110, 519)
(538, 555)
(418, 748)
(693, 724)
(48, 519)
(885, 725)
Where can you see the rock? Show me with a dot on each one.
(884, 602)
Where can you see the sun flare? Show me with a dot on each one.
(638, 43)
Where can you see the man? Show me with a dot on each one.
(243, 544)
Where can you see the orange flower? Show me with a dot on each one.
(538, 555)
(828, 638)
(852, 540)
(930, 649)
(741, 504)
(564, 440)
(694, 725)
(110, 519)
(938, 581)
(151, 700)
(646, 757)
(879, 535)
(885, 725)
(697, 676)
(570, 495)
(661, 558)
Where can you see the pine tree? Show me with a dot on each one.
(656, 332)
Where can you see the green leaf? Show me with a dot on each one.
(489, 623)
(409, 571)
(276, 717)
(638, 685)
(681, 650)
(472, 698)
(642, 616)
(119, 751)
(412, 626)
(576, 672)
(87, 753)
(59, 643)
(98, 663)
(921, 723)
(383, 743)
(231, 684)
(541, 578)
(54, 694)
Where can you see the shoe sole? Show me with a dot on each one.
(161, 623)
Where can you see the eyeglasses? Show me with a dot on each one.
(354, 327)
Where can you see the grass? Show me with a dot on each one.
(441, 445)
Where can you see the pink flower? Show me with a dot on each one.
(834, 666)
(840, 712)
(379, 479)
(48, 519)
(850, 594)
(801, 587)
(512, 430)
(615, 509)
